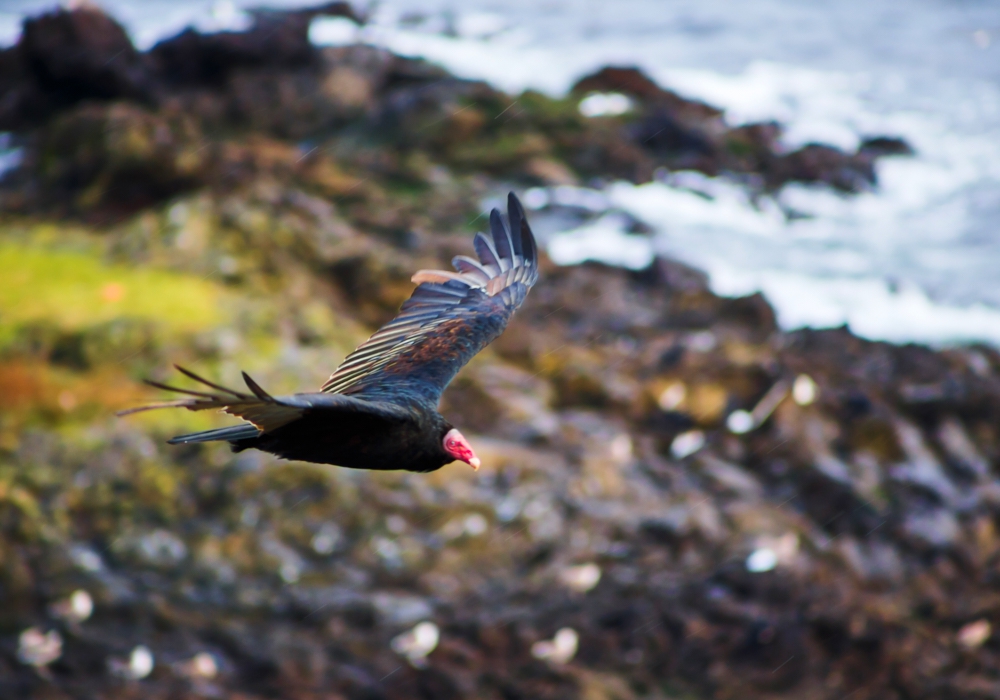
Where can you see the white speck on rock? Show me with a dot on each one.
(417, 643)
(740, 422)
(140, 662)
(672, 397)
(201, 665)
(804, 390)
(974, 634)
(139, 665)
(558, 650)
(75, 609)
(475, 524)
(686, 444)
(761, 560)
(581, 578)
(37, 648)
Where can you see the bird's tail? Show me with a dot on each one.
(234, 433)
(261, 411)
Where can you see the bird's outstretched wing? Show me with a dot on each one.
(262, 411)
(450, 317)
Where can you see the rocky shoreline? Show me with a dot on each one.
(679, 499)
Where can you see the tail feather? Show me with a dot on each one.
(230, 434)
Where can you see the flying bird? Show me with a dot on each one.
(378, 410)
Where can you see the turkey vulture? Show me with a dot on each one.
(378, 410)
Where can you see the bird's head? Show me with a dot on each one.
(459, 448)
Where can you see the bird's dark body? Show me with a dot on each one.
(359, 440)
(378, 410)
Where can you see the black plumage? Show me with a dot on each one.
(378, 410)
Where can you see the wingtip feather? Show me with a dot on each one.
(516, 218)
(502, 241)
(487, 253)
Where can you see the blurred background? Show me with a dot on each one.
(741, 440)
(833, 75)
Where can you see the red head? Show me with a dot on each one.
(459, 448)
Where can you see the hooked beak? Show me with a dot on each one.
(459, 448)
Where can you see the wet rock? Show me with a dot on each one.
(752, 148)
(885, 146)
(684, 134)
(607, 153)
(666, 137)
(276, 38)
(820, 164)
(633, 82)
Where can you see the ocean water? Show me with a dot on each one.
(915, 260)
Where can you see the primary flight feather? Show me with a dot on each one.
(378, 410)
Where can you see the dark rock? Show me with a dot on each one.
(886, 146)
(119, 155)
(610, 154)
(675, 276)
(82, 53)
(684, 134)
(752, 148)
(816, 163)
(662, 133)
(751, 312)
(21, 100)
(63, 57)
(634, 83)
(278, 39)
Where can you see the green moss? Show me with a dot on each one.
(506, 151)
(548, 113)
(73, 290)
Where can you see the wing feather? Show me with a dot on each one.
(449, 318)
(515, 218)
(502, 242)
(487, 254)
(471, 267)
(523, 237)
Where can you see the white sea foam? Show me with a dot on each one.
(871, 307)
(333, 31)
(813, 271)
(604, 239)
